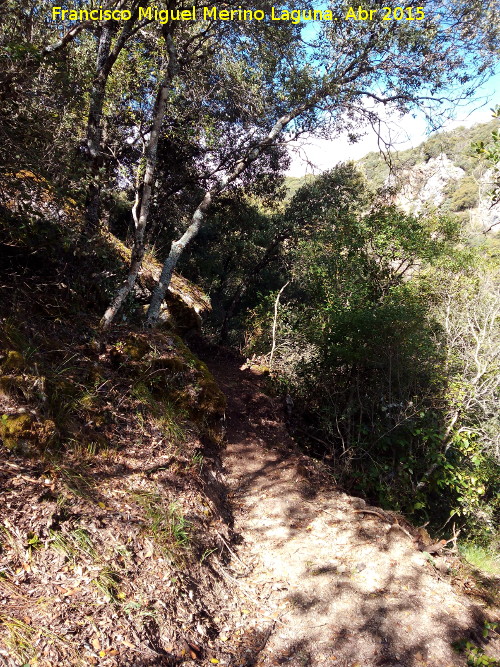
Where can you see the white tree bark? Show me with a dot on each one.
(178, 246)
(106, 58)
(275, 324)
(147, 189)
(94, 123)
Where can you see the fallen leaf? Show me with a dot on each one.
(214, 661)
(102, 654)
(96, 643)
(194, 650)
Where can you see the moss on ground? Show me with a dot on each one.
(13, 361)
(23, 434)
(15, 430)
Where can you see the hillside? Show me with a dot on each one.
(126, 540)
(442, 171)
(241, 428)
(113, 514)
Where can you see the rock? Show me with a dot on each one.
(442, 565)
(425, 183)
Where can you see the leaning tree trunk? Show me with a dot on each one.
(176, 251)
(147, 188)
(199, 215)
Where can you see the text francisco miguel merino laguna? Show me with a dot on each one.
(214, 13)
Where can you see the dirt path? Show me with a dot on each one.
(336, 586)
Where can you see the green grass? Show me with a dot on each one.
(19, 638)
(166, 524)
(76, 480)
(22, 640)
(167, 416)
(75, 544)
(107, 583)
(482, 558)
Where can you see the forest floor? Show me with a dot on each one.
(325, 583)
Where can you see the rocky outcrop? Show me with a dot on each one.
(441, 183)
(485, 216)
(425, 183)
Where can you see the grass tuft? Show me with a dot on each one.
(22, 640)
(166, 525)
(74, 545)
(107, 583)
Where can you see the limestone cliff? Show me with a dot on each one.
(441, 172)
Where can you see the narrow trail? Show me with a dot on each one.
(335, 586)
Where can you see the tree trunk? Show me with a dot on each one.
(147, 188)
(200, 213)
(106, 58)
(275, 324)
(97, 94)
(173, 257)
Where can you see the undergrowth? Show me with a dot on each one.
(166, 524)
(483, 558)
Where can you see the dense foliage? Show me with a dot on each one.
(388, 346)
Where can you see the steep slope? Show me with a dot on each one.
(122, 539)
(113, 517)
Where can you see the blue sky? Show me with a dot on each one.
(405, 132)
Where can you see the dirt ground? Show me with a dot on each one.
(282, 567)
(326, 583)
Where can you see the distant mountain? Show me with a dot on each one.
(294, 183)
(442, 171)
